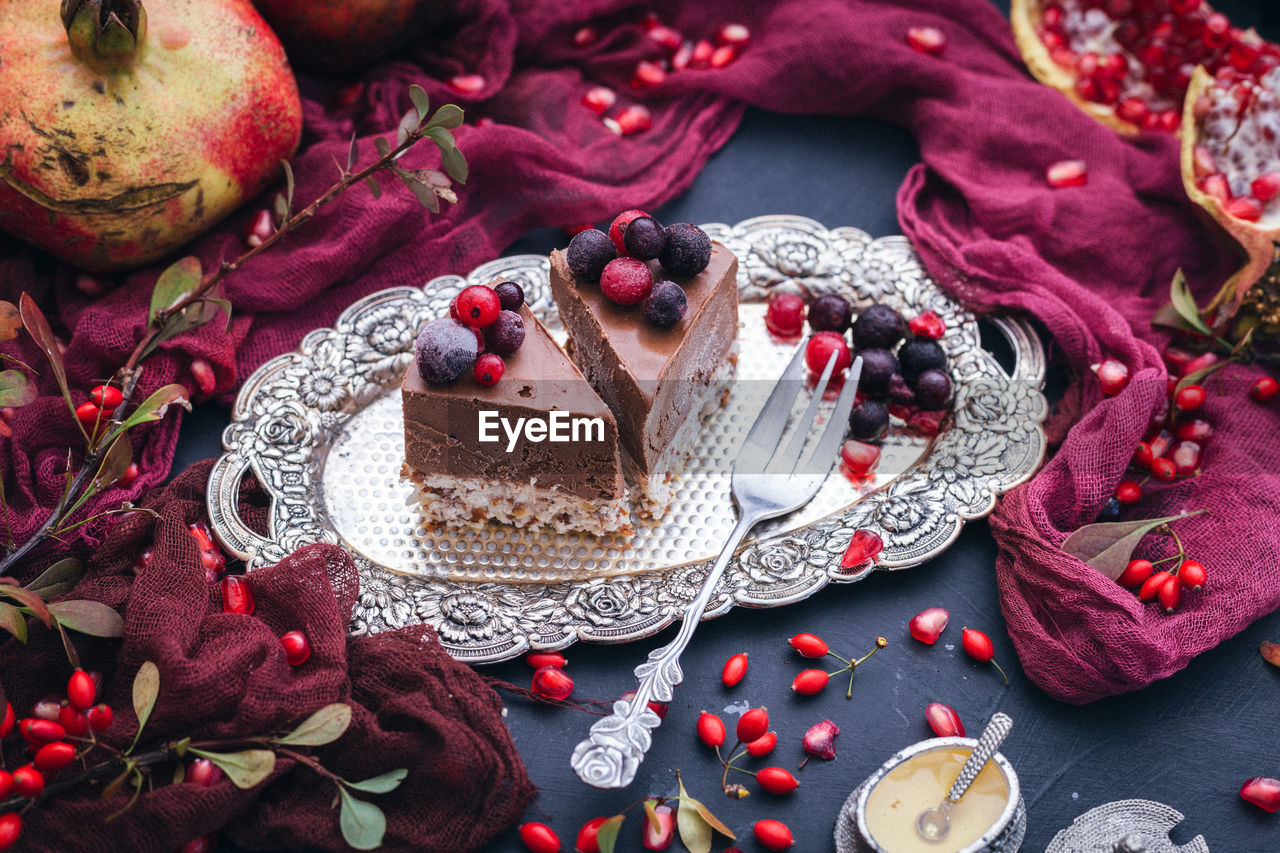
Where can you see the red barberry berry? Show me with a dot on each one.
(1192, 574)
(53, 757)
(810, 682)
(978, 646)
(587, 840)
(809, 645)
(28, 781)
(710, 729)
(753, 724)
(75, 722)
(81, 691)
(777, 781)
(38, 732)
(1142, 456)
(6, 784)
(101, 717)
(1189, 398)
(1265, 389)
(1170, 594)
(539, 838)
(1150, 588)
(106, 397)
(1163, 469)
(773, 834)
(763, 745)
(735, 669)
(10, 829)
(1128, 492)
(90, 416)
(1135, 573)
(6, 720)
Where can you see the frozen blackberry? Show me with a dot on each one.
(830, 313)
(588, 253)
(918, 355)
(446, 350)
(878, 367)
(868, 420)
(644, 238)
(687, 251)
(510, 294)
(879, 327)
(666, 303)
(505, 335)
(933, 389)
(900, 392)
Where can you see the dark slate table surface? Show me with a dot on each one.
(1188, 741)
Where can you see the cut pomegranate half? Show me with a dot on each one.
(1127, 64)
(1232, 124)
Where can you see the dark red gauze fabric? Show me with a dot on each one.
(224, 676)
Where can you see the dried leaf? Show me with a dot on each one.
(421, 102)
(455, 164)
(425, 195)
(652, 816)
(15, 390)
(245, 768)
(363, 824)
(1270, 652)
(288, 182)
(10, 321)
(146, 689)
(178, 281)
(13, 621)
(353, 153)
(154, 407)
(29, 600)
(1185, 304)
(449, 116)
(225, 306)
(281, 210)
(73, 656)
(1107, 546)
(375, 189)
(324, 726)
(695, 833)
(383, 784)
(38, 328)
(61, 577)
(408, 125)
(88, 617)
(115, 463)
(607, 834)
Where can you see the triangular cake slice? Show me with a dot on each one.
(659, 383)
(527, 479)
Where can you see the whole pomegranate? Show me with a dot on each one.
(339, 36)
(125, 131)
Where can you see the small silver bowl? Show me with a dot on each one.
(1005, 835)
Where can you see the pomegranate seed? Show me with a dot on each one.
(649, 21)
(297, 648)
(978, 646)
(863, 546)
(723, 56)
(773, 835)
(1217, 186)
(10, 828)
(1263, 792)
(632, 119)
(820, 740)
(1088, 91)
(710, 729)
(1113, 376)
(1128, 492)
(203, 773)
(1182, 7)
(1186, 457)
(1067, 173)
(28, 781)
(467, 84)
(777, 781)
(810, 682)
(1133, 110)
(348, 95)
(485, 121)
(48, 708)
(809, 645)
(539, 838)
(237, 595)
(599, 99)
(1170, 594)
(1192, 574)
(1170, 121)
(1265, 389)
(1163, 469)
(1151, 587)
(1190, 398)
(1135, 573)
(681, 58)
(1160, 445)
(552, 682)
(859, 457)
(1194, 430)
(101, 717)
(1051, 16)
(735, 669)
(39, 732)
(1243, 54)
(927, 625)
(585, 37)
(537, 660)
(1244, 207)
(90, 286)
(53, 757)
(733, 34)
(258, 229)
(1265, 187)
(203, 844)
(81, 691)
(659, 708)
(659, 837)
(927, 325)
(647, 75)
(785, 315)
(1058, 50)
(75, 722)
(702, 53)
(763, 745)
(665, 37)
(930, 40)
(588, 840)
(1202, 160)
(944, 720)
(202, 372)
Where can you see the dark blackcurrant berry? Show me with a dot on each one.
(446, 350)
(666, 303)
(918, 355)
(879, 366)
(644, 238)
(933, 389)
(900, 392)
(687, 251)
(868, 420)
(879, 327)
(588, 253)
(506, 334)
(830, 313)
(1110, 510)
(510, 294)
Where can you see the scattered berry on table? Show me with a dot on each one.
(830, 313)
(552, 682)
(735, 669)
(868, 420)
(879, 366)
(918, 355)
(878, 327)
(819, 349)
(944, 720)
(785, 315)
(927, 625)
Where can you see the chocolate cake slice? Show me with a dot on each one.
(490, 453)
(659, 382)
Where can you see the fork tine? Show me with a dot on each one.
(772, 420)
(795, 446)
(824, 450)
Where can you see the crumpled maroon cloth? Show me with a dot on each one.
(1091, 263)
(224, 675)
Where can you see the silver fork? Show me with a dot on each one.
(768, 481)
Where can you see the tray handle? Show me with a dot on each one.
(1029, 363)
(223, 497)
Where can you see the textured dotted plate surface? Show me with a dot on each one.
(321, 430)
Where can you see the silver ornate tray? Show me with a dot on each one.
(320, 428)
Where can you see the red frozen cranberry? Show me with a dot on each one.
(626, 281)
(785, 315)
(820, 349)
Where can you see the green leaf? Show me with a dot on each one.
(10, 321)
(448, 116)
(607, 835)
(324, 726)
(14, 621)
(1197, 377)
(178, 281)
(443, 139)
(421, 102)
(245, 768)
(695, 833)
(73, 656)
(146, 689)
(375, 189)
(383, 784)
(288, 182)
(15, 390)
(61, 577)
(425, 195)
(224, 305)
(154, 407)
(363, 824)
(384, 147)
(455, 164)
(353, 153)
(652, 816)
(88, 617)
(29, 600)
(1185, 304)
(280, 210)
(1107, 546)
(38, 328)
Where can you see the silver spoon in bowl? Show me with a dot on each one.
(934, 824)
